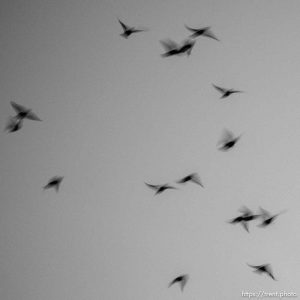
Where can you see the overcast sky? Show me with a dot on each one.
(115, 115)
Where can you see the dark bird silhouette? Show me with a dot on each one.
(54, 182)
(246, 216)
(263, 269)
(226, 92)
(205, 31)
(182, 280)
(24, 112)
(173, 48)
(14, 124)
(129, 30)
(194, 177)
(160, 187)
(267, 217)
(228, 140)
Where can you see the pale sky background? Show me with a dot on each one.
(116, 114)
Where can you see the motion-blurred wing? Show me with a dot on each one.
(125, 27)
(209, 34)
(152, 186)
(18, 108)
(32, 116)
(220, 89)
(169, 45)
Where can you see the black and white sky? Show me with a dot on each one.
(115, 115)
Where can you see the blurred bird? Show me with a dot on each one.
(226, 92)
(263, 269)
(182, 280)
(173, 48)
(23, 112)
(228, 140)
(244, 218)
(191, 177)
(14, 124)
(267, 217)
(159, 188)
(54, 182)
(129, 30)
(205, 31)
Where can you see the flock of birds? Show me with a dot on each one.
(228, 141)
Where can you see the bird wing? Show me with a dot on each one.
(32, 116)
(10, 123)
(254, 267)
(236, 91)
(191, 29)
(173, 281)
(245, 225)
(264, 213)
(169, 44)
(17, 107)
(245, 210)
(196, 179)
(209, 34)
(220, 89)
(125, 27)
(152, 186)
(269, 271)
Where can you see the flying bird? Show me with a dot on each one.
(172, 48)
(228, 140)
(267, 217)
(127, 30)
(226, 92)
(14, 124)
(160, 187)
(54, 182)
(182, 280)
(263, 269)
(194, 177)
(24, 112)
(246, 216)
(205, 31)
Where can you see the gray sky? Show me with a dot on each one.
(116, 114)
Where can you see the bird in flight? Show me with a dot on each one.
(225, 92)
(267, 217)
(194, 177)
(228, 140)
(182, 280)
(205, 31)
(159, 188)
(263, 269)
(127, 30)
(246, 216)
(24, 112)
(172, 48)
(54, 182)
(14, 124)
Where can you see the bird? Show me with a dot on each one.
(267, 217)
(14, 124)
(129, 30)
(228, 140)
(194, 177)
(263, 269)
(205, 31)
(159, 188)
(24, 112)
(226, 92)
(54, 182)
(246, 216)
(182, 280)
(172, 48)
